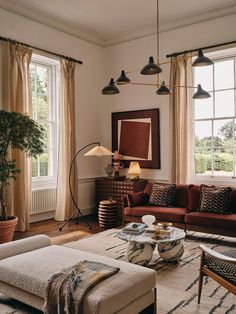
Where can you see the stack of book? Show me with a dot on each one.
(134, 228)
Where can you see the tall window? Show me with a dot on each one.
(215, 118)
(44, 80)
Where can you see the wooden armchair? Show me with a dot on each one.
(220, 267)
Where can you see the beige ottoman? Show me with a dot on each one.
(26, 265)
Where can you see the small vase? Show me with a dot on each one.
(109, 170)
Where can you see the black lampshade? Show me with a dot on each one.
(122, 79)
(163, 90)
(110, 89)
(201, 93)
(151, 68)
(201, 60)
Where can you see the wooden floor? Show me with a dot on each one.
(71, 232)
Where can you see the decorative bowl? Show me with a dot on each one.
(165, 224)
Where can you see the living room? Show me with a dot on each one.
(100, 40)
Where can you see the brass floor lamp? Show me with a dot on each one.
(98, 151)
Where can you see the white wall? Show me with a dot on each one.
(134, 54)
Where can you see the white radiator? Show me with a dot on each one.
(43, 200)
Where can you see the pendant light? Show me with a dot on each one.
(201, 93)
(110, 89)
(122, 79)
(201, 60)
(163, 89)
(151, 68)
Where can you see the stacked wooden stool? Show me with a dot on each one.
(108, 214)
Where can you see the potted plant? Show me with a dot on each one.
(17, 131)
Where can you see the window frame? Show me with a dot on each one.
(218, 56)
(54, 65)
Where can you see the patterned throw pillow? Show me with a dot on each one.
(162, 195)
(214, 200)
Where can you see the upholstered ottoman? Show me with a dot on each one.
(26, 265)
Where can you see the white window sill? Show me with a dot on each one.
(225, 181)
(47, 182)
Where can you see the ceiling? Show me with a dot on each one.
(108, 22)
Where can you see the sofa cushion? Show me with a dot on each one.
(162, 195)
(181, 196)
(213, 220)
(30, 272)
(214, 199)
(136, 199)
(173, 214)
(193, 197)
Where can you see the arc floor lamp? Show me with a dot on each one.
(98, 151)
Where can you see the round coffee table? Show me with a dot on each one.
(140, 247)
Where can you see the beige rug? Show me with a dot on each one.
(176, 283)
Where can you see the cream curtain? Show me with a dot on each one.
(181, 117)
(17, 97)
(66, 139)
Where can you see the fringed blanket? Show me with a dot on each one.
(67, 289)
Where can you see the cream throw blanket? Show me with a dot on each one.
(67, 289)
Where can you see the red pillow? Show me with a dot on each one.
(193, 197)
(135, 199)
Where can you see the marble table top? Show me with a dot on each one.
(148, 237)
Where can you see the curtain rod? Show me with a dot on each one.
(175, 54)
(15, 42)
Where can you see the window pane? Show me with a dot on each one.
(34, 167)
(223, 162)
(42, 108)
(224, 74)
(203, 162)
(42, 78)
(204, 76)
(44, 164)
(204, 108)
(224, 103)
(203, 132)
(223, 131)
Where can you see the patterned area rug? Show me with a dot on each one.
(176, 283)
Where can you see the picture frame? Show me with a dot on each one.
(136, 135)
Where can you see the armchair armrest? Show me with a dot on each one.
(217, 255)
(25, 245)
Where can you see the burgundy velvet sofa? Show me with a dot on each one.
(184, 212)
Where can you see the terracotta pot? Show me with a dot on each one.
(7, 228)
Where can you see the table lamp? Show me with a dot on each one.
(134, 170)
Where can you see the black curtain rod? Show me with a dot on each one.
(176, 54)
(15, 42)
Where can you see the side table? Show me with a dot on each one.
(107, 214)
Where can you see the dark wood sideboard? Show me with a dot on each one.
(110, 188)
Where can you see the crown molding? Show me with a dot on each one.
(228, 8)
(47, 19)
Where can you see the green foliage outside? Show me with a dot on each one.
(39, 83)
(222, 145)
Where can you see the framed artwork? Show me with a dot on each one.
(136, 135)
